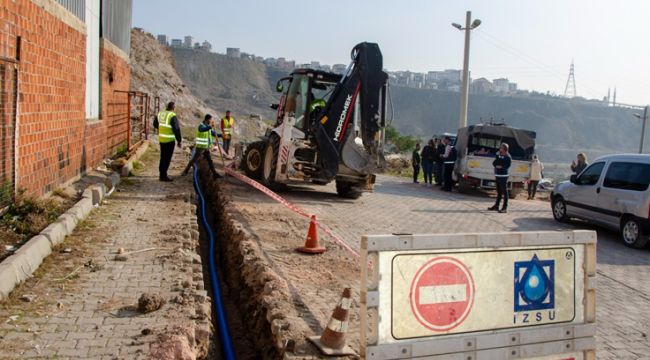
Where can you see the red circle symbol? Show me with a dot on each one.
(442, 294)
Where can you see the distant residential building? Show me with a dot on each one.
(454, 87)
(234, 52)
(500, 85)
(315, 64)
(512, 87)
(433, 85)
(481, 85)
(271, 61)
(206, 46)
(259, 59)
(177, 43)
(163, 39)
(282, 62)
(290, 64)
(189, 42)
(339, 68)
(325, 67)
(450, 75)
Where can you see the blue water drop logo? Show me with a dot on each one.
(535, 286)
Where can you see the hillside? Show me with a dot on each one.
(226, 83)
(154, 71)
(564, 128)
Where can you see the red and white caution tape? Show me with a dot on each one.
(284, 202)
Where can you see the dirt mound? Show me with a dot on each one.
(150, 302)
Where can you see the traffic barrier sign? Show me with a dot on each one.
(482, 294)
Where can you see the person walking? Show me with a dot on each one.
(440, 162)
(536, 169)
(416, 160)
(581, 165)
(501, 165)
(428, 158)
(449, 159)
(204, 140)
(227, 127)
(168, 130)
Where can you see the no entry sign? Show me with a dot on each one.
(442, 294)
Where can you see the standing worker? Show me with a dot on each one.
(449, 159)
(501, 165)
(168, 130)
(204, 137)
(536, 174)
(428, 158)
(227, 127)
(440, 162)
(416, 160)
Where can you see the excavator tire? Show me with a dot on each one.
(253, 161)
(270, 165)
(345, 189)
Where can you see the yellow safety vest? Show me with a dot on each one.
(203, 139)
(227, 126)
(165, 131)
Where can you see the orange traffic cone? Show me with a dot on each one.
(311, 243)
(332, 342)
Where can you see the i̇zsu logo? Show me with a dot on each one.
(534, 290)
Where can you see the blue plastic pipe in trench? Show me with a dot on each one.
(224, 333)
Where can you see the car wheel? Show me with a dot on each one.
(559, 210)
(631, 233)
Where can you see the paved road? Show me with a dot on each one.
(623, 296)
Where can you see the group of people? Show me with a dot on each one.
(169, 131)
(438, 157)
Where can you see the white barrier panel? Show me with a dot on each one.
(444, 295)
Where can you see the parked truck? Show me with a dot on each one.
(476, 146)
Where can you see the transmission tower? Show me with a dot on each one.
(570, 90)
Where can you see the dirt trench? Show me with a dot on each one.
(252, 293)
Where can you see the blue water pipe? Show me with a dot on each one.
(224, 332)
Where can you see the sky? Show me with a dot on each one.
(532, 43)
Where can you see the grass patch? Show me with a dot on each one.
(27, 216)
(60, 193)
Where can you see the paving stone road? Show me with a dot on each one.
(623, 293)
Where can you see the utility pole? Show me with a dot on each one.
(645, 117)
(469, 25)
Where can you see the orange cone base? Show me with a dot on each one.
(310, 250)
(329, 351)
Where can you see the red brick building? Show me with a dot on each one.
(60, 64)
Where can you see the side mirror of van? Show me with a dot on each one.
(279, 86)
(574, 179)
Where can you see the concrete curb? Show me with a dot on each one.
(22, 264)
(128, 167)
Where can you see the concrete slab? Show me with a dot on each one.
(8, 279)
(81, 209)
(112, 181)
(36, 250)
(22, 265)
(55, 233)
(69, 222)
(99, 191)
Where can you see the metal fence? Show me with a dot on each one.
(77, 7)
(116, 23)
(8, 87)
(130, 122)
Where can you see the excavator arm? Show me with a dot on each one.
(364, 84)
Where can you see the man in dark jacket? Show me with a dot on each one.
(168, 130)
(440, 163)
(449, 159)
(428, 158)
(501, 165)
(416, 161)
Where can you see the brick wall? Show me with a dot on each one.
(114, 75)
(55, 142)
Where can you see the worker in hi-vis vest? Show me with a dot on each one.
(205, 137)
(168, 131)
(227, 127)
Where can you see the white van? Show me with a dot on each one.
(612, 192)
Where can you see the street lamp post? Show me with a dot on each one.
(465, 89)
(645, 117)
